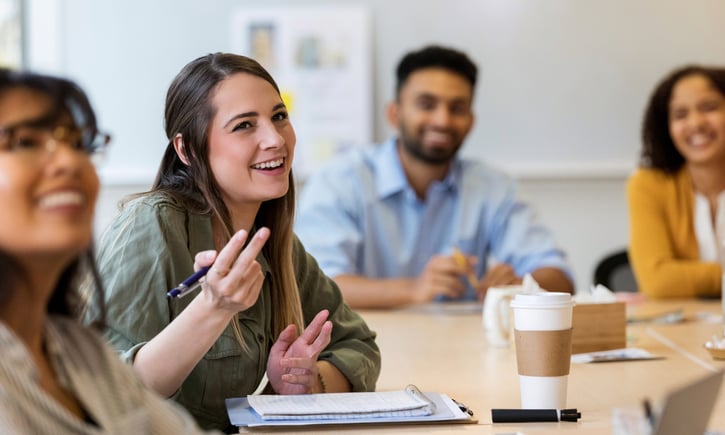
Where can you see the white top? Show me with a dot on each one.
(108, 389)
(704, 231)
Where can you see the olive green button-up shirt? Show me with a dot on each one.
(149, 249)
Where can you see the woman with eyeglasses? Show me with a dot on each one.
(57, 376)
(224, 198)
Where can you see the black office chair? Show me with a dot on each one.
(615, 273)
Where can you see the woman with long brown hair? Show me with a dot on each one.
(224, 198)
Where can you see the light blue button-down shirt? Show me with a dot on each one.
(359, 215)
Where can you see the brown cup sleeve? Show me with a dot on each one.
(543, 353)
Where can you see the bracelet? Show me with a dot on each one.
(323, 387)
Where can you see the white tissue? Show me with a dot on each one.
(597, 294)
(530, 285)
(716, 342)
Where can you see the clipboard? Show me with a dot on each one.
(445, 410)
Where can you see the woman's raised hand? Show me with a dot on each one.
(292, 364)
(234, 281)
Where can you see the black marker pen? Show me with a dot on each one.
(534, 415)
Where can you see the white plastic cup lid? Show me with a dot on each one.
(544, 300)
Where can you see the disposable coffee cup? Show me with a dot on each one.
(542, 333)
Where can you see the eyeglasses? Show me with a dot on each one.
(29, 139)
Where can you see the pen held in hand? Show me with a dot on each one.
(462, 261)
(189, 284)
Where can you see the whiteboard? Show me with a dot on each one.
(562, 84)
(320, 58)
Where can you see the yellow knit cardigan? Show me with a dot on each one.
(663, 247)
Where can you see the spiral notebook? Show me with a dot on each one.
(408, 405)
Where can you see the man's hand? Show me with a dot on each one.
(500, 274)
(441, 276)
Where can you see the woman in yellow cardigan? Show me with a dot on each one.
(678, 194)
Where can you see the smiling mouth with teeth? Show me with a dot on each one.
(272, 164)
(699, 140)
(62, 199)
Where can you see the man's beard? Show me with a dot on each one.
(435, 156)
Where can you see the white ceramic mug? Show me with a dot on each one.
(497, 317)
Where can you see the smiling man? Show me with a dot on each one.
(409, 221)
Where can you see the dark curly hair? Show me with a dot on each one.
(658, 148)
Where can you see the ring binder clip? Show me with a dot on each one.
(413, 390)
(463, 407)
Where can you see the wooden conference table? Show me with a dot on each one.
(443, 348)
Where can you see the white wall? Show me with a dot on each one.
(562, 82)
(588, 216)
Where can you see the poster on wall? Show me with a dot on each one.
(320, 58)
(11, 32)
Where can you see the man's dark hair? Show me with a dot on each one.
(435, 56)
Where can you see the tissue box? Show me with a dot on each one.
(598, 326)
